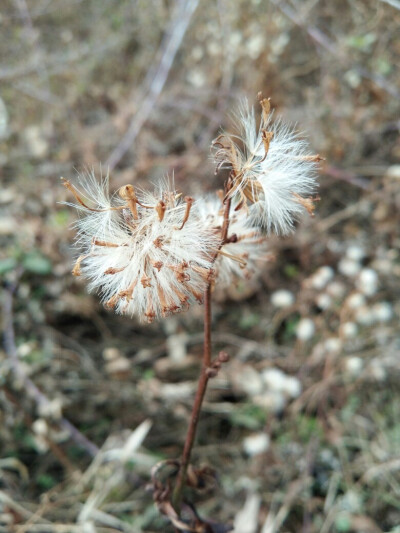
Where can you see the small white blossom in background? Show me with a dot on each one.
(111, 354)
(355, 252)
(383, 266)
(333, 345)
(41, 435)
(282, 298)
(382, 311)
(355, 300)
(272, 401)
(336, 289)
(349, 330)
(354, 366)
(40, 427)
(324, 301)
(305, 329)
(256, 444)
(273, 170)
(147, 253)
(25, 349)
(367, 281)
(292, 387)
(365, 316)
(278, 381)
(321, 277)
(118, 367)
(274, 378)
(349, 267)
(248, 380)
(377, 370)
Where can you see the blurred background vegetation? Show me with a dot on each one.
(303, 425)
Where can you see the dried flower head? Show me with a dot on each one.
(271, 167)
(145, 252)
(242, 255)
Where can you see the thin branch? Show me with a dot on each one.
(207, 370)
(169, 47)
(198, 402)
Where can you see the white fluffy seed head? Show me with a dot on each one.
(146, 252)
(242, 258)
(273, 169)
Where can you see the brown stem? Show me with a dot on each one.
(198, 401)
(205, 372)
(225, 224)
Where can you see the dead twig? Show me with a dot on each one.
(156, 80)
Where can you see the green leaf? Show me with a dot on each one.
(249, 416)
(60, 218)
(46, 481)
(37, 263)
(291, 271)
(7, 264)
(249, 320)
(343, 523)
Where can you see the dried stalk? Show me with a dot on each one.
(169, 47)
(205, 375)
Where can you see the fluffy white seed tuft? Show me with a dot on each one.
(273, 169)
(145, 252)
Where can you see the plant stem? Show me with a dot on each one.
(204, 375)
(198, 401)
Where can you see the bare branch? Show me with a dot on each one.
(169, 47)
